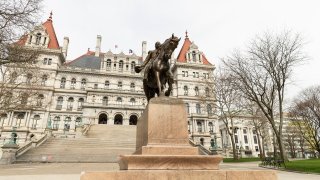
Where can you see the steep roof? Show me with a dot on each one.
(185, 48)
(53, 43)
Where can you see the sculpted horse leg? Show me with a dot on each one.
(157, 74)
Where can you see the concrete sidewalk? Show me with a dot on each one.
(72, 171)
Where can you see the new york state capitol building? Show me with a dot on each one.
(102, 88)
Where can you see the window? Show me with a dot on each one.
(255, 139)
(236, 138)
(245, 137)
(119, 85)
(78, 121)
(198, 109)
(197, 74)
(106, 84)
(44, 41)
(45, 61)
(194, 74)
(30, 40)
(244, 131)
(196, 90)
(93, 98)
(186, 73)
(120, 65)
(95, 86)
(24, 99)
(247, 147)
(44, 80)
(105, 101)
(40, 100)
(257, 148)
(210, 127)
(108, 63)
(114, 66)
(29, 78)
(189, 126)
(59, 103)
(38, 38)
(70, 103)
(73, 83)
(67, 123)
(132, 86)
(194, 58)
(183, 74)
(209, 109)
(188, 107)
(119, 100)
(199, 126)
(132, 101)
(207, 92)
(36, 118)
(56, 122)
(133, 64)
(83, 83)
(185, 88)
(80, 103)
(63, 83)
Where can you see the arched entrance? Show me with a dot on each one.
(118, 119)
(133, 120)
(103, 118)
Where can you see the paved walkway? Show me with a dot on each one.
(72, 171)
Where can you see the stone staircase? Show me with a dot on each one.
(103, 143)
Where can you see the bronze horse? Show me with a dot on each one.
(159, 73)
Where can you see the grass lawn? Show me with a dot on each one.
(231, 160)
(309, 165)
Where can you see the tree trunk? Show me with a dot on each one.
(281, 148)
(259, 144)
(234, 151)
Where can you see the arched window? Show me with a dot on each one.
(120, 65)
(73, 83)
(132, 101)
(29, 78)
(188, 107)
(38, 38)
(118, 119)
(133, 120)
(44, 80)
(78, 121)
(207, 92)
(40, 100)
(70, 103)
(59, 103)
(19, 119)
(133, 64)
(196, 91)
(119, 85)
(108, 63)
(67, 122)
(83, 83)
(105, 101)
(198, 108)
(56, 122)
(30, 39)
(119, 100)
(132, 86)
(185, 89)
(63, 83)
(106, 84)
(209, 109)
(210, 124)
(36, 118)
(80, 103)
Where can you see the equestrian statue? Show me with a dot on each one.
(157, 72)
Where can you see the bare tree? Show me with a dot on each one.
(16, 17)
(305, 113)
(262, 73)
(229, 105)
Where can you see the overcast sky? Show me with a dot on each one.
(216, 26)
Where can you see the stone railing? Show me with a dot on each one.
(203, 150)
(30, 145)
(86, 129)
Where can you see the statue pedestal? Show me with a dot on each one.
(8, 153)
(163, 150)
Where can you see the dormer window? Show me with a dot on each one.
(30, 39)
(194, 57)
(38, 38)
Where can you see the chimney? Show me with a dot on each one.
(65, 46)
(144, 50)
(98, 46)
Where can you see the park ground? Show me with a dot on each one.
(72, 171)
